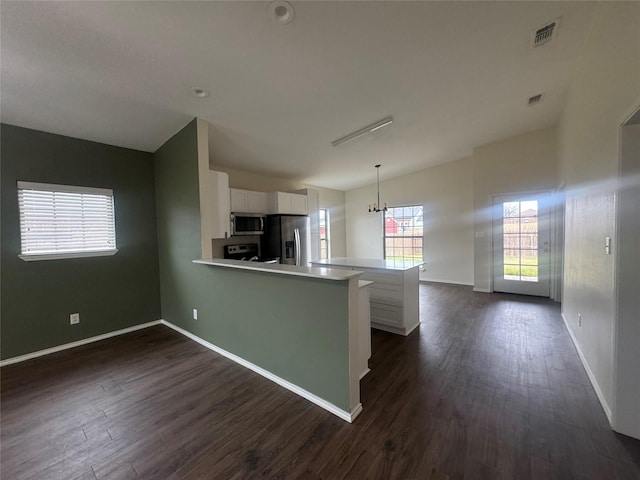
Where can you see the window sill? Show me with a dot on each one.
(58, 256)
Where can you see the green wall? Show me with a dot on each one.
(110, 293)
(294, 327)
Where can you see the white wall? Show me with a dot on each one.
(604, 91)
(626, 409)
(334, 200)
(524, 163)
(445, 191)
(457, 199)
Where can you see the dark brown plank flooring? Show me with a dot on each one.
(490, 387)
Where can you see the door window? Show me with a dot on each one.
(520, 239)
(521, 244)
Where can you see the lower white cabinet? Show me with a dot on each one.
(287, 203)
(394, 299)
(393, 294)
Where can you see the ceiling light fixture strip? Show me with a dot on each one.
(363, 131)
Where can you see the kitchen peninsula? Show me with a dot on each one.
(299, 326)
(394, 293)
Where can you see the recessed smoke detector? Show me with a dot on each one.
(535, 99)
(545, 33)
(281, 12)
(199, 92)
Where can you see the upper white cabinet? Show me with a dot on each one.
(299, 204)
(287, 203)
(247, 201)
(218, 212)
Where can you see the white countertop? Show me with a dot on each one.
(368, 263)
(314, 272)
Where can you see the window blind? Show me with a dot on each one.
(62, 219)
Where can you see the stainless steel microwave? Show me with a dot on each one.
(247, 223)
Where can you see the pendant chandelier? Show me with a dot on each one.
(376, 206)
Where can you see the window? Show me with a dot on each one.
(520, 240)
(61, 221)
(325, 247)
(403, 232)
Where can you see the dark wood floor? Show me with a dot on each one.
(490, 387)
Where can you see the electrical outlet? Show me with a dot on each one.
(74, 318)
(579, 319)
(195, 313)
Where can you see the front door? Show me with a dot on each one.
(521, 244)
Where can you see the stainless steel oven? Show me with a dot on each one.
(248, 252)
(247, 223)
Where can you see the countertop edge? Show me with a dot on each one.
(324, 273)
(366, 263)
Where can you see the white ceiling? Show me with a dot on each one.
(454, 75)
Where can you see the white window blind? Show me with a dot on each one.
(65, 220)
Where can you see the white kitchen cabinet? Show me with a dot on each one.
(393, 294)
(394, 299)
(287, 203)
(220, 215)
(299, 204)
(248, 201)
(218, 211)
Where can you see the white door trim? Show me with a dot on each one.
(545, 199)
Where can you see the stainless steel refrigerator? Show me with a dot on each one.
(287, 237)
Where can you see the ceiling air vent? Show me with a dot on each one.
(535, 99)
(546, 33)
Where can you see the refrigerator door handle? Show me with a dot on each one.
(296, 234)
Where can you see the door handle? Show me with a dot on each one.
(296, 234)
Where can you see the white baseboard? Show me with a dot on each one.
(592, 378)
(343, 414)
(481, 290)
(349, 417)
(397, 330)
(356, 411)
(440, 280)
(78, 343)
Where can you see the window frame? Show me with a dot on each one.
(327, 231)
(384, 232)
(68, 189)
